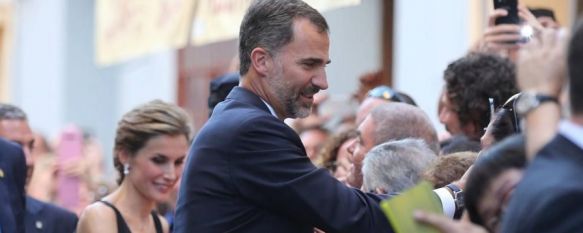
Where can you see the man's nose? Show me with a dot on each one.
(321, 80)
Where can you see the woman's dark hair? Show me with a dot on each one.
(508, 154)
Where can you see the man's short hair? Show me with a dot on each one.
(575, 64)
(397, 165)
(11, 112)
(396, 121)
(473, 79)
(268, 24)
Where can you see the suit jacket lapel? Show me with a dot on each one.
(243, 95)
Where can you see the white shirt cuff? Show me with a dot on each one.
(447, 201)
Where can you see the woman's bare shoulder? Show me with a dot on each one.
(97, 217)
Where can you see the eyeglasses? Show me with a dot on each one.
(386, 93)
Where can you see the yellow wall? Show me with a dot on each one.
(477, 16)
(560, 7)
(5, 46)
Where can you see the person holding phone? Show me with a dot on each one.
(150, 147)
(508, 30)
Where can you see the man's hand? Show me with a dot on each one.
(446, 225)
(501, 39)
(498, 38)
(541, 66)
(525, 14)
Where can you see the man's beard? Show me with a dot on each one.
(297, 108)
(293, 106)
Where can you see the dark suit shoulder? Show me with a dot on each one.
(60, 213)
(236, 121)
(7, 145)
(560, 160)
(12, 181)
(543, 199)
(233, 114)
(51, 218)
(556, 212)
(11, 152)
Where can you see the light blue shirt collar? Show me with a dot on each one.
(572, 131)
(270, 110)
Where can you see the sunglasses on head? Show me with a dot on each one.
(386, 93)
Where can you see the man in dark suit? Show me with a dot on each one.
(39, 216)
(12, 178)
(247, 170)
(45, 217)
(548, 199)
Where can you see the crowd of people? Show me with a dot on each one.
(509, 161)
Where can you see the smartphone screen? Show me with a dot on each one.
(512, 7)
(70, 148)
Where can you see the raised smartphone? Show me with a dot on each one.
(69, 149)
(512, 7)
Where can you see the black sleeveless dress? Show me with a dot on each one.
(122, 226)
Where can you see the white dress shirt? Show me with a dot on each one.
(572, 131)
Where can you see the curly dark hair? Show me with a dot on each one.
(472, 80)
(329, 152)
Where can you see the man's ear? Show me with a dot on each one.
(261, 61)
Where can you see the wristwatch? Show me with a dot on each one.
(528, 101)
(458, 197)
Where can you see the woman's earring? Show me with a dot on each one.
(126, 169)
